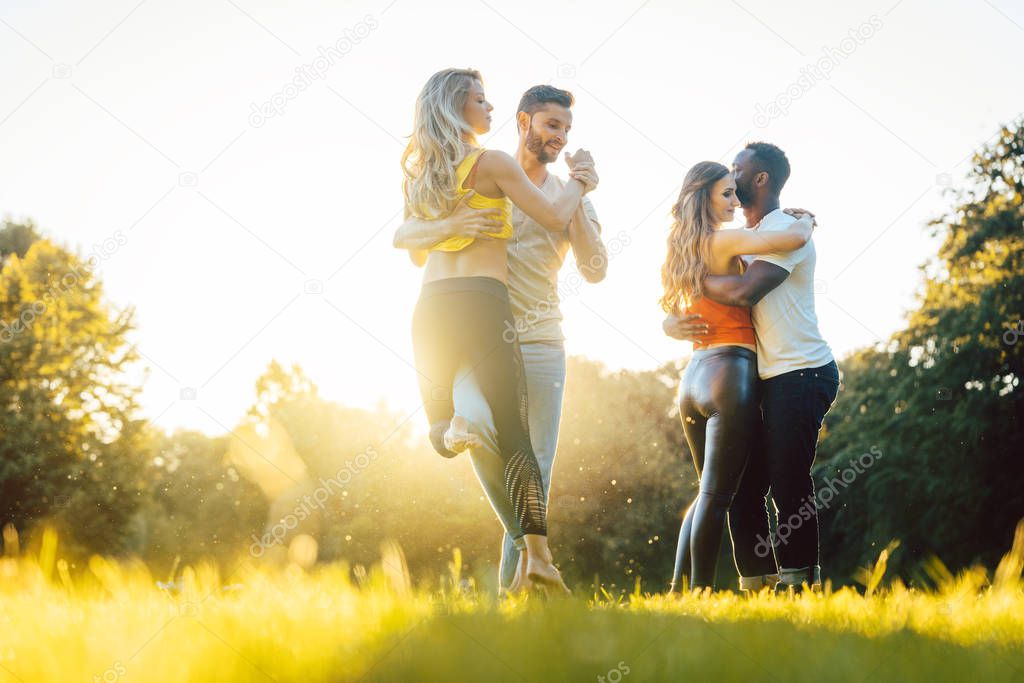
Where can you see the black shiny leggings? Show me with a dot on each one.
(718, 404)
(468, 321)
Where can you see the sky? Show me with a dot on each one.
(246, 219)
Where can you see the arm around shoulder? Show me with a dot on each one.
(738, 242)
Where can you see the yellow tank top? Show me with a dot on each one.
(477, 201)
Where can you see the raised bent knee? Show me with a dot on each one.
(437, 431)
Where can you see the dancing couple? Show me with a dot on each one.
(492, 232)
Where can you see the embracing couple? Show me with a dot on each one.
(761, 377)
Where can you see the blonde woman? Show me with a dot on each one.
(718, 401)
(463, 317)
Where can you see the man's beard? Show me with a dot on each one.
(744, 196)
(535, 145)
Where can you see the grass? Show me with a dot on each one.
(113, 622)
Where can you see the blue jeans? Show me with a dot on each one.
(545, 386)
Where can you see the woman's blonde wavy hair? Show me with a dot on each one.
(689, 239)
(438, 143)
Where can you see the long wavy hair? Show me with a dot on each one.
(438, 143)
(689, 239)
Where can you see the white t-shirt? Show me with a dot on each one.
(784, 320)
(535, 255)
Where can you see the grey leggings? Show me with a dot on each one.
(468, 321)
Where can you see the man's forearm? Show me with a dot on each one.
(747, 289)
(416, 233)
(590, 252)
(730, 290)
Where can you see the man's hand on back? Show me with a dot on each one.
(465, 221)
(800, 213)
(686, 328)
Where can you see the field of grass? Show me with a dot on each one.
(114, 622)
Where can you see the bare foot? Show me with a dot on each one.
(521, 586)
(458, 437)
(545, 574)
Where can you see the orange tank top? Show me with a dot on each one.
(726, 324)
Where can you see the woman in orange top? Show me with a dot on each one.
(463, 317)
(718, 392)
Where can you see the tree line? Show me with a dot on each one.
(923, 445)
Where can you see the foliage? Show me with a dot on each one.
(942, 401)
(70, 442)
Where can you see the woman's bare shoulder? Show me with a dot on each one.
(496, 160)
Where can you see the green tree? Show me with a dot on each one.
(16, 238)
(69, 438)
(200, 506)
(942, 401)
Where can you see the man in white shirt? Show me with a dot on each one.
(535, 257)
(799, 383)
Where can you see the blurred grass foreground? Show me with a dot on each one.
(114, 621)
